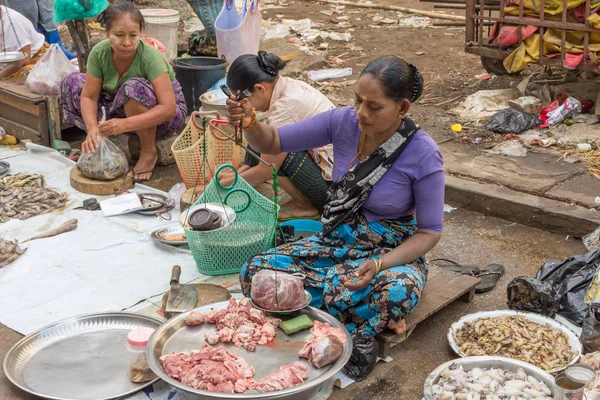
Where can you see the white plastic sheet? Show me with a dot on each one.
(107, 264)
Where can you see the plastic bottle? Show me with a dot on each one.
(139, 370)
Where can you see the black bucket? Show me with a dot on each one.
(196, 75)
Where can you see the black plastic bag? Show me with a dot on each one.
(512, 121)
(364, 357)
(530, 294)
(590, 335)
(570, 280)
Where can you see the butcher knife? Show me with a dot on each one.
(182, 298)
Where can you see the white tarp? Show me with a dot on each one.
(106, 264)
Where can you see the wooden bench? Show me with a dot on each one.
(443, 287)
(27, 115)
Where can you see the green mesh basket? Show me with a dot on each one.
(224, 251)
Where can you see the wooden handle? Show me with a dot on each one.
(175, 274)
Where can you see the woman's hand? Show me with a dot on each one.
(364, 275)
(114, 126)
(240, 113)
(91, 141)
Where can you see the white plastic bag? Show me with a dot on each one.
(106, 163)
(48, 73)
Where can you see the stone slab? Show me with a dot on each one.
(580, 133)
(534, 173)
(582, 190)
(522, 208)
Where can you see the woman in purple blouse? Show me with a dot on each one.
(367, 267)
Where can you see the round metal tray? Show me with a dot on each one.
(227, 214)
(306, 304)
(159, 234)
(81, 357)
(175, 336)
(574, 341)
(487, 362)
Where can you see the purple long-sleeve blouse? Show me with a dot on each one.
(414, 183)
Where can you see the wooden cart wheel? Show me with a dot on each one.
(494, 66)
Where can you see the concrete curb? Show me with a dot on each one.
(537, 212)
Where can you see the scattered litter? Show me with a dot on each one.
(597, 200)
(343, 18)
(276, 32)
(592, 240)
(483, 77)
(388, 21)
(554, 114)
(327, 12)
(533, 136)
(285, 28)
(511, 148)
(588, 119)
(584, 147)
(476, 140)
(324, 45)
(457, 128)
(512, 121)
(323, 74)
(415, 22)
(448, 34)
(448, 208)
(340, 37)
(2, 132)
(420, 53)
(378, 18)
(484, 104)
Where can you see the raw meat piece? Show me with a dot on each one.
(240, 324)
(215, 370)
(326, 347)
(288, 296)
(211, 337)
(322, 351)
(284, 378)
(195, 318)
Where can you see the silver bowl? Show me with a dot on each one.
(486, 362)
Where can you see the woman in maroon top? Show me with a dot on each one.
(367, 267)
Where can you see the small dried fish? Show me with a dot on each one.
(24, 196)
(516, 337)
(68, 226)
(493, 383)
(9, 252)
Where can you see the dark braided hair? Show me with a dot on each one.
(400, 80)
(115, 10)
(248, 70)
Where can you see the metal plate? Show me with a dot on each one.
(574, 341)
(227, 214)
(469, 363)
(4, 167)
(174, 336)
(308, 300)
(159, 234)
(82, 357)
(151, 210)
(11, 56)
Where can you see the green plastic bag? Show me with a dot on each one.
(67, 10)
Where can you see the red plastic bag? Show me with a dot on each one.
(153, 42)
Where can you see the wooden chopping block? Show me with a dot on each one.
(91, 186)
(207, 294)
(186, 198)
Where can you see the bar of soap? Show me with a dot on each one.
(296, 324)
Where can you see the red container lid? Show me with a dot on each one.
(139, 337)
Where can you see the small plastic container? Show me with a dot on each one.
(138, 369)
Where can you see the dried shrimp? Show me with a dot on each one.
(9, 252)
(515, 337)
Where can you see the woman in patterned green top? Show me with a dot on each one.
(135, 84)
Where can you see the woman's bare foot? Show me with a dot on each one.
(145, 165)
(296, 209)
(400, 327)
